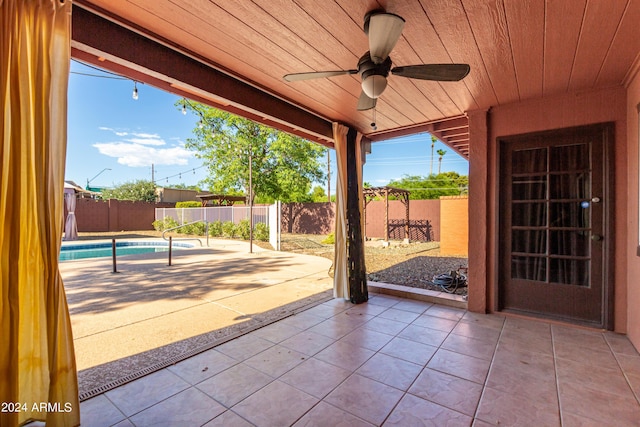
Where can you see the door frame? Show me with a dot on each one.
(608, 250)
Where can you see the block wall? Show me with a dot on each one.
(454, 218)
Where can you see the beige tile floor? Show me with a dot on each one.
(391, 362)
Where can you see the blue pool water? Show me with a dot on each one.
(101, 250)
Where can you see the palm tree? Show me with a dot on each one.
(433, 143)
(440, 152)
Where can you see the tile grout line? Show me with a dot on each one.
(406, 392)
(230, 408)
(335, 340)
(493, 358)
(624, 372)
(555, 373)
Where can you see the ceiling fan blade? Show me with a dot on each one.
(438, 72)
(366, 103)
(316, 75)
(384, 30)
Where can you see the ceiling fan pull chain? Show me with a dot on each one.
(373, 123)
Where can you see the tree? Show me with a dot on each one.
(441, 153)
(433, 186)
(318, 194)
(140, 190)
(433, 144)
(283, 166)
(183, 186)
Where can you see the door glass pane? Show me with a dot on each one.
(529, 214)
(529, 241)
(529, 268)
(529, 161)
(569, 186)
(529, 187)
(569, 214)
(569, 158)
(569, 242)
(569, 271)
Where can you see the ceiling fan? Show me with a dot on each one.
(384, 30)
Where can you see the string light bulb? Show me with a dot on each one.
(184, 107)
(134, 95)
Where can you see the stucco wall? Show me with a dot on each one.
(576, 109)
(308, 218)
(454, 218)
(632, 259)
(318, 218)
(424, 220)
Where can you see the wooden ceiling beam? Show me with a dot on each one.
(458, 139)
(461, 122)
(111, 46)
(455, 133)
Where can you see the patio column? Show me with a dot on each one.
(479, 250)
(350, 280)
(357, 271)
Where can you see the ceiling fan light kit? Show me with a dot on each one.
(384, 30)
(374, 85)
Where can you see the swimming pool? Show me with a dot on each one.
(69, 252)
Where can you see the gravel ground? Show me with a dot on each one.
(414, 264)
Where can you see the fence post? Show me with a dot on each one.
(113, 254)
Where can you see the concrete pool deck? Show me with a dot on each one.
(150, 313)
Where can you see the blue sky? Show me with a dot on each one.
(108, 129)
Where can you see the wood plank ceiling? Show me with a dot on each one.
(517, 50)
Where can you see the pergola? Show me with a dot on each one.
(403, 195)
(221, 199)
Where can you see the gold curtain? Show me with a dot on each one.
(37, 363)
(340, 278)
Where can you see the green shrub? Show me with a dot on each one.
(261, 232)
(228, 229)
(164, 224)
(195, 228)
(330, 239)
(243, 229)
(189, 204)
(215, 229)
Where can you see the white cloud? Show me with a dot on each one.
(146, 135)
(139, 155)
(143, 149)
(118, 133)
(147, 141)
